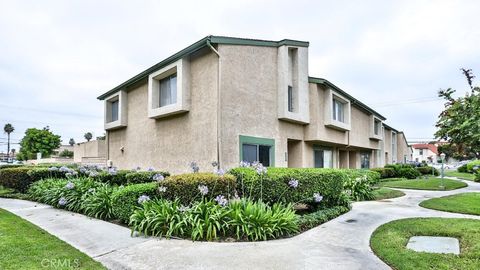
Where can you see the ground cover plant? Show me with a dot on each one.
(465, 203)
(460, 175)
(383, 193)
(425, 184)
(389, 243)
(26, 245)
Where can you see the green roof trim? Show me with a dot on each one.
(353, 100)
(202, 43)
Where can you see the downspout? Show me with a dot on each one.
(218, 105)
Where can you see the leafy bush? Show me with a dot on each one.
(125, 199)
(472, 164)
(276, 186)
(66, 153)
(16, 178)
(208, 220)
(314, 219)
(40, 173)
(47, 191)
(385, 172)
(427, 170)
(185, 187)
(12, 166)
(112, 178)
(477, 177)
(358, 188)
(143, 177)
(463, 168)
(409, 173)
(99, 202)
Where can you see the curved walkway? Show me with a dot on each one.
(342, 243)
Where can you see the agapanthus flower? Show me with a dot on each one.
(293, 183)
(162, 189)
(70, 185)
(183, 208)
(219, 172)
(82, 169)
(317, 197)
(158, 177)
(244, 164)
(143, 199)
(112, 171)
(53, 169)
(62, 201)
(150, 169)
(203, 189)
(74, 173)
(214, 164)
(194, 166)
(68, 174)
(64, 169)
(260, 169)
(93, 174)
(221, 200)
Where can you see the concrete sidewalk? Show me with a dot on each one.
(342, 243)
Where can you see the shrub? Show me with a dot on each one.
(125, 199)
(40, 173)
(16, 178)
(385, 172)
(462, 169)
(472, 164)
(47, 191)
(409, 173)
(477, 177)
(12, 166)
(314, 219)
(274, 186)
(359, 184)
(116, 178)
(185, 187)
(428, 170)
(143, 177)
(99, 202)
(66, 153)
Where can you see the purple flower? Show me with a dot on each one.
(219, 172)
(143, 199)
(70, 185)
(194, 167)
(53, 169)
(150, 169)
(244, 164)
(162, 189)
(93, 174)
(158, 177)
(112, 171)
(293, 183)
(317, 197)
(68, 175)
(220, 199)
(62, 201)
(203, 189)
(64, 169)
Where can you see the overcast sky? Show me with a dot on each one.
(56, 57)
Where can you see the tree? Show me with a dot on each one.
(71, 142)
(8, 128)
(66, 153)
(88, 136)
(459, 123)
(38, 141)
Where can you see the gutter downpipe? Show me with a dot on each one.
(218, 104)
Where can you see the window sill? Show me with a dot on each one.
(114, 125)
(338, 125)
(165, 111)
(376, 137)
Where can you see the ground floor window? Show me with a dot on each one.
(322, 157)
(365, 160)
(257, 149)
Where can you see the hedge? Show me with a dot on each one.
(409, 173)
(125, 199)
(472, 164)
(385, 172)
(124, 177)
(184, 187)
(37, 174)
(426, 170)
(274, 186)
(462, 169)
(15, 178)
(12, 166)
(143, 177)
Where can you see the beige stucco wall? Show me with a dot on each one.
(403, 148)
(96, 148)
(171, 143)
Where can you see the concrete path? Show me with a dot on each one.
(342, 243)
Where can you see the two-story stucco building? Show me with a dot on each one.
(230, 100)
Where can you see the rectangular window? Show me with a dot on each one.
(114, 110)
(290, 98)
(168, 90)
(394, 147)
(338, 111)
(256, 152)
(365, 160)
(376, 127)
(323, 158)
(420, 152)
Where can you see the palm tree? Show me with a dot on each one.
(13, 152)
(8, 128)
(88, 136)
(71, 142)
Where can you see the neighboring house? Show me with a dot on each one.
(92, 152)
(427, 152)
(230, 100)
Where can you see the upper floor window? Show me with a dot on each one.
(115, 110)
(112, 110)
(290, 98)
(168, 90)
(420, 152)
(338, 111)
(377, 127)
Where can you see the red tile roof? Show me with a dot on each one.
(431, 147)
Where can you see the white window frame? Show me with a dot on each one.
(374, 136)
(182, 70)
(329, 107)
(121, 96)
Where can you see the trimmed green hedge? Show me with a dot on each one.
(124, 177)
(472, 164)
(385, 172)
(40, 173)
(12, 166)
(184, 187)
(409, 173)
(274, 186)
(427, 170)
(125, 199)
(16, 178)
(311, 220)
(143, 177)
(462, 169)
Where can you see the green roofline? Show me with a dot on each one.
(202, 43)
(353, 100)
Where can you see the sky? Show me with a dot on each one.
(56, 57)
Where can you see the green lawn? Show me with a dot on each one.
(465, 203)
(465, 176)
(25, 246)
(386, 193)
(10, 193)
(425, 184)
(389, 243)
